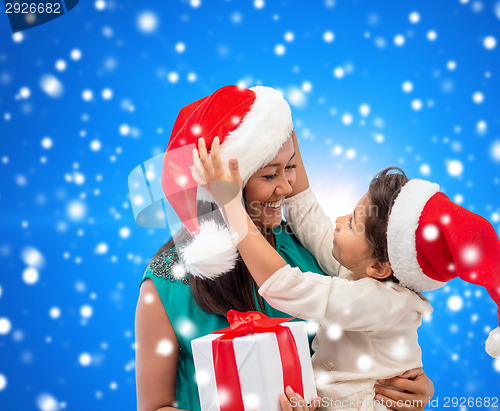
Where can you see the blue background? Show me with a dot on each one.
(66, 152)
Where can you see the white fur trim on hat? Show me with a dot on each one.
(493, 343)
(261, 134)
(212, 252)
(203, 194)
(401, 244)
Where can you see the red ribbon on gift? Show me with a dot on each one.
(226, 371)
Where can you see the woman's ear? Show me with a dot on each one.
(379, 270)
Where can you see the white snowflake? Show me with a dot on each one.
(55, 312)
(364, 110)
(455, 303)
(414, 17)
(416, 105)
(334, 332)
(47, 402)
(76, 210)
(338, 72)
(76, 54)
(481, 127)
(350, 153)
(495, 150)
(364, 362)
(86, 311)
(431, 232)
(425, 169)
(107, 94)
(101, 248)
(279, 49)
(259, 4)
(85, 359)
(470, 255)
(431, 35)
(328, 36)
(124, 232)
(347, 119)
(478, 97)
(489, 42)
(30, 275)
(51, 86)
(32, 257)
(180, 47)
(3, 382)
(5, 325)
(399, 40)
(455, 168)
(452, 65)
(147, 22)
(95, 145)
(164, 347)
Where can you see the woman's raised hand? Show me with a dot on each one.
(223, 185)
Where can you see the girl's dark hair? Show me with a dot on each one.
(235, 290)
(383, 190)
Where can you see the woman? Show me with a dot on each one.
(174, 308)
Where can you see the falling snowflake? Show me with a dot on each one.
(334, 332)
(85, 359)
(414, 17)
(328, 36)
(431, 232)
(455, 303)
(364, 362)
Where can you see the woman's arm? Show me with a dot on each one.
(313, 228)
(156, 372)
(301, 180)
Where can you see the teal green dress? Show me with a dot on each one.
(190, 321)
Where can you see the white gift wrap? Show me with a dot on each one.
(259, 367)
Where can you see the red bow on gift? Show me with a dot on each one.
(226, 371)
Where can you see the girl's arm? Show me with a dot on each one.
(155, 373)
(261, 259)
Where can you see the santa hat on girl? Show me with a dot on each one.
(252, 125)
(432, 240)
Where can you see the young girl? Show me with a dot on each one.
(368, 322)
(361, 322)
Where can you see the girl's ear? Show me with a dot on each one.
(379, 270)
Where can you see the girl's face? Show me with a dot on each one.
(266, 189)
(350, 246)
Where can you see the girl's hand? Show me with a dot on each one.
(417, 388)
(292, 401)
(224, 186)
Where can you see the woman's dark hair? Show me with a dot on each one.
(383, 190)
(235, 290)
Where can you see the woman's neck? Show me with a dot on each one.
(268, 233)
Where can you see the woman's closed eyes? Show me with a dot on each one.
(273, 176)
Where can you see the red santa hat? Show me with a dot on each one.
(252, 125)
(432, 240)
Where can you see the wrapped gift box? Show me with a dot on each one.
(259, 369)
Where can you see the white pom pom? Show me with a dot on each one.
(493, 343)
(212, 253)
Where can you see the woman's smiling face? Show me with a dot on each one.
(267, 188)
